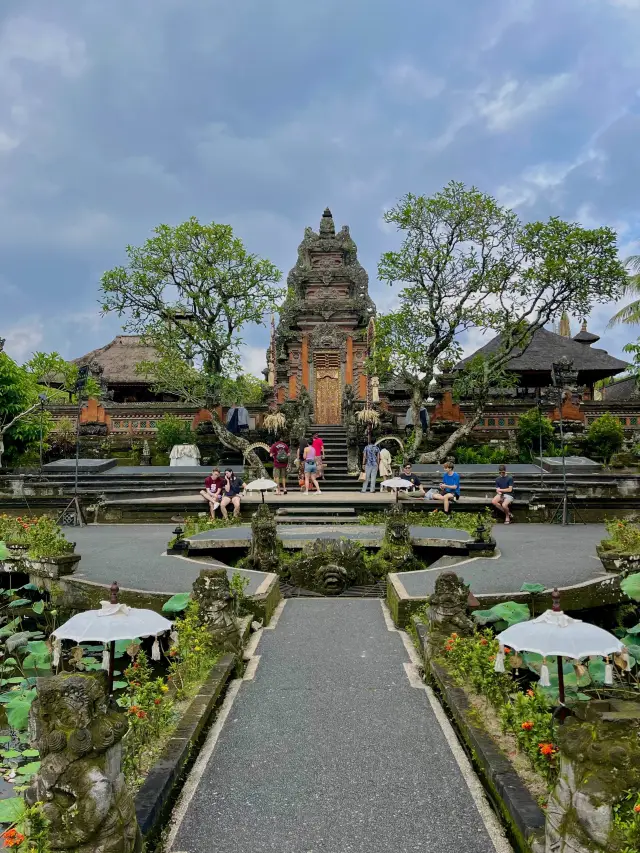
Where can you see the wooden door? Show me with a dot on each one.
(327, 396)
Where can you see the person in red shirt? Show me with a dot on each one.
(212, 492)
(279, 452)
(318, 446)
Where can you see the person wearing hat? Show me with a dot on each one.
(504, 493)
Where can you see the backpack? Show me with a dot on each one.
(282, 455)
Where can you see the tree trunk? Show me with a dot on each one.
(416, 405)
(440, 453)
(235, 442)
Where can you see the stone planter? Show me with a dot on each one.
(50, 568)
(17, 550)
(621, 564)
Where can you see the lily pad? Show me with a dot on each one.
(5, 738)
(30, 753)
(596, 670)
(30, 586)
(123, 645)
(10, 753)
(532, 588)
(30, 768)
(19, 602)
(634, 630)
(507, 611)
(38, 607)
(631, 586)
(177, 603)
(120, 685)
(11, 809)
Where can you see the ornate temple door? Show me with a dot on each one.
(328, 408)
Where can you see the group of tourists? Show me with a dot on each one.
(220, 491)
(377, 462)
(309, 458)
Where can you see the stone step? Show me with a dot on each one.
(309, 519)
(334, 511)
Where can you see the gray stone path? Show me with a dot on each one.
(330, 750)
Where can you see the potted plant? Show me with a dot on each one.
(620, 553)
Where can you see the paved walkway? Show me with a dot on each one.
(330, 749)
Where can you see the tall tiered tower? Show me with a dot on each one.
(321, 339)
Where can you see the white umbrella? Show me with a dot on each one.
(113, 622)
(555, 633)
(263, 485)
(397, 483)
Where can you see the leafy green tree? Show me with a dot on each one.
(534, 428)
(630, 314)
(58, 377)
(466, 262)
(19, 411)
(172, 430)
(605, 436)
(190, 290)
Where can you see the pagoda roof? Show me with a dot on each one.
(621, 390)
(119, 359)
(548, 347)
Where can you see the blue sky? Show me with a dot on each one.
(116, 115)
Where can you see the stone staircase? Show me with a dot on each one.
(336, 476)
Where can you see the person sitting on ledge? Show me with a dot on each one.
(504, 493)
(231, 493)
(212, 491)
(407, 474)
(449, 487)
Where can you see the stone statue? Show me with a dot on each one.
(80, 781)
(349, 417)
(212, 592)
(329, 566)
(448, 607)
(263, 556)
(396, 553)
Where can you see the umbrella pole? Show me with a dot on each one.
(560, 680)
(112, 661)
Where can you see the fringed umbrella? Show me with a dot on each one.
(261, 486)
(397, 483)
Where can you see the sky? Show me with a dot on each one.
(118, 115)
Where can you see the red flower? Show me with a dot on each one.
(527, 725)
(141, 715)
(157, 701)
(531, 693)
(454, 636)
(484, 641)
(507, 650)
(547, 749)
(636, 808)
(133, 709)
(12, 838)
(136, 666)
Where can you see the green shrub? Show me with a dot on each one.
(624, 536)
(482, 455)
(605, 436)
(172, 430)
(532, 426)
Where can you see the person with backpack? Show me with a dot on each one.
(279, 452)
(370, 460)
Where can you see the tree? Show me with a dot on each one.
(535, 432)
(58, 377)
(630, 314)
(172, 430)
(605, 436)
(19, 404)
(465, 262)
(190, 290)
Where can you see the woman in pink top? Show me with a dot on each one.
(318, 446)
(310, 469)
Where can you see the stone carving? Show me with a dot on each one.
(80, 781)
(263, 556)
(396, 553)
(448, 607)
(212, 592)
(349, 419)
(329, 566)
(599, 763)
(327, 336)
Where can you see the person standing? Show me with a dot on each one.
(449, 487)
(385, 468)
(279, 452)
(310, 468)
(318, 446)
(370, 460)
(504, 493)
(302, 446)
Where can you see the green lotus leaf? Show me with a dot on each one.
(38, 607)
(19, 602)
(11, 809)
(30, 753)
(596, 670)
(17, 710)
(532, 587)
(631, 586)
(178, 602)
(634, 630)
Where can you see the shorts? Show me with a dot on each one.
(309, 467)
(506, 499)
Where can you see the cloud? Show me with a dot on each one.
(408, 81)
(24, 338)
(254, 359)
(514, 100)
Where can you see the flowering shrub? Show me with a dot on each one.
(624, 536)
(194, 653)
(42, 535)
(626, 822)
(528, 716)
(29, 833)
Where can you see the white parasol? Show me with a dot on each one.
(555, 633)
(397, 483)
(263, 485)
(113, 622)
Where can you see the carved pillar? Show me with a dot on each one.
(305, 361)
(348, 377)
(362, 387)
(293, 387)
(281, 395)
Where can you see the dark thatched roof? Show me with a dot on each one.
(547, 347)
(119, 359)
(619, 392)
